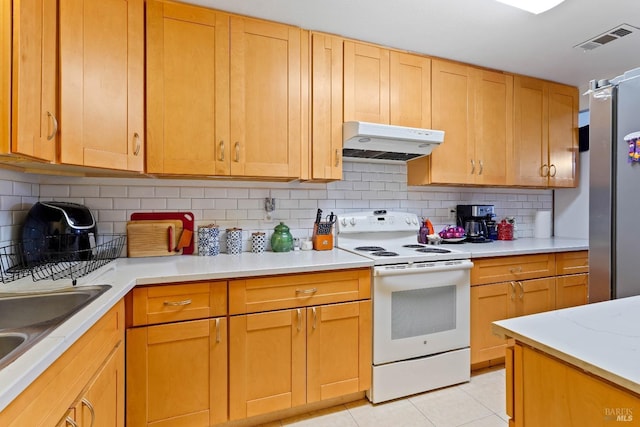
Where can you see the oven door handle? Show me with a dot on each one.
(413, 269)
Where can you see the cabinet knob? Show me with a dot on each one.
(554, 170)
(237, 148)
(85, 402)
(473, 166)
(177, 303)
(481, 167)
(544, 170)
(337, 157)
(222, 151)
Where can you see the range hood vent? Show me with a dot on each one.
(372, 141)
(607, 37)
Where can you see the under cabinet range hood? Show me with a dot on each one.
(372, 141)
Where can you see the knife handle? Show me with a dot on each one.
(170, 238)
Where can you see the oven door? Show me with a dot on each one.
(420, 309)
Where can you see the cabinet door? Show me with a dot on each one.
(338, 350)
(563, 135)
(535, 296)
(177, 373)
(326, 111)
(488, 304)
(366, 83)
(267, 362)
(102, 405)
(493, 126)
(265, 100)
(102, 83)
(531, 139)
(572, 290)
(187, 90)
(35, 112)
(453, 162)
(410, 90)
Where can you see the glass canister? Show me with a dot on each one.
(281, 240)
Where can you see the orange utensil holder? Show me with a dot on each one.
(322, 242)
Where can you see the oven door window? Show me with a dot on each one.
(420, 312)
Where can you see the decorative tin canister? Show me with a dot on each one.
(208, 240)
(234, 241)
(258, 242)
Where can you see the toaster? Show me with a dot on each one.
(58, 231)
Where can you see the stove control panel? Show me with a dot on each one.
(376, 221)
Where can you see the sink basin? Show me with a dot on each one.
(10, 342)
(27, 318)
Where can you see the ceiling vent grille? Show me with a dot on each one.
(607, 37)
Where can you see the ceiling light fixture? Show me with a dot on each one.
(533, 6)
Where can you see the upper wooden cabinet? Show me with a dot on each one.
(545, 134)
(474, 107)
(102, 83)
(34, 80)
(265, 99)
(223, 94)
(326, 107)
(187, 90)
(386, 86)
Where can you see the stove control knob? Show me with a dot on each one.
(352, 221)
(414, 220)
(408, 220)
(343, 221)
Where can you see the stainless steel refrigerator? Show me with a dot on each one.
(614, 188)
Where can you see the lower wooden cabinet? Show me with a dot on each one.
(177, 373)
(282, 359)
(536, 283)
(545, 391)
(84, 387)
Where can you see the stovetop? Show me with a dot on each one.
(389, 237)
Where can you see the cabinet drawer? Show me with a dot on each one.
(298, 290)
(175, 302)
(572, 262)
(505, 269)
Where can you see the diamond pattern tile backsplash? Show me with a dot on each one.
(241, 204)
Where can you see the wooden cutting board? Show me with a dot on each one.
(153, 237)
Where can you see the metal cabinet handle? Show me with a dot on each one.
(217, 330)
(542, 170)
(88, 404)
(237, 148)
(515, 270)
(299, 319)
(137, 145)
(55, 126)
(554, 170)
(222, 151)
(315, 317)
(70, 422)
(337, 157)
(473, 166)
(521, 290)
(513, 290)
(178, 303)
(481, 167)
(307, 291)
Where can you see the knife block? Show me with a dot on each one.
(322, 242)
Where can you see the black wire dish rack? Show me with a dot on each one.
(51, 258)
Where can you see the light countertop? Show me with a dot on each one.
(601, 338)
(125, 273)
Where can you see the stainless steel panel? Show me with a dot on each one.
(626, 251)
(600, 194)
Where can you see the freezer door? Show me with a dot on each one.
(626, 251)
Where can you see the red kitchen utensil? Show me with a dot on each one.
(187, 219)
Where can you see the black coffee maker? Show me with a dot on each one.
(478, 222)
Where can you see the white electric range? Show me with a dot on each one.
(421, 297)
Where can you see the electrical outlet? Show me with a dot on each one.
(452, 213)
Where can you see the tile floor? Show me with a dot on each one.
(478, 403)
